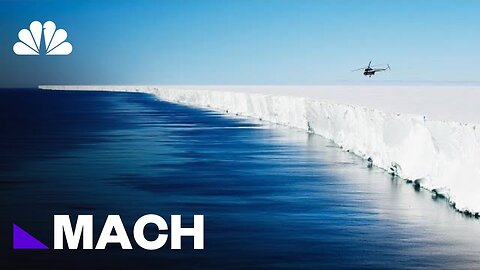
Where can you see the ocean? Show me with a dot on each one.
(272, 197)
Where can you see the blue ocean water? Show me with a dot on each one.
(272, 197)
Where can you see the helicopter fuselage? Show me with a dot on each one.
(369, 72)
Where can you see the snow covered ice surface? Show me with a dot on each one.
(427, 134)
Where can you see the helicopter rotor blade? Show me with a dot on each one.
(359, 69)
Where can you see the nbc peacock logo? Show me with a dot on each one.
(31, 40)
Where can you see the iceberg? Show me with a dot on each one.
(422, 134)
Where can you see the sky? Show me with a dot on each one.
(245, 41)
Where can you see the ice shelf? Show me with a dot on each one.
(426, 134)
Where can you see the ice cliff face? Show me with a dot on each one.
(443, 157)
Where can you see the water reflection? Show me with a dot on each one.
(272, 196)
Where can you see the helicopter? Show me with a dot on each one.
(370, 70)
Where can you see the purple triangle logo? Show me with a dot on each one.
(23, 240)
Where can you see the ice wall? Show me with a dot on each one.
(441, 156)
